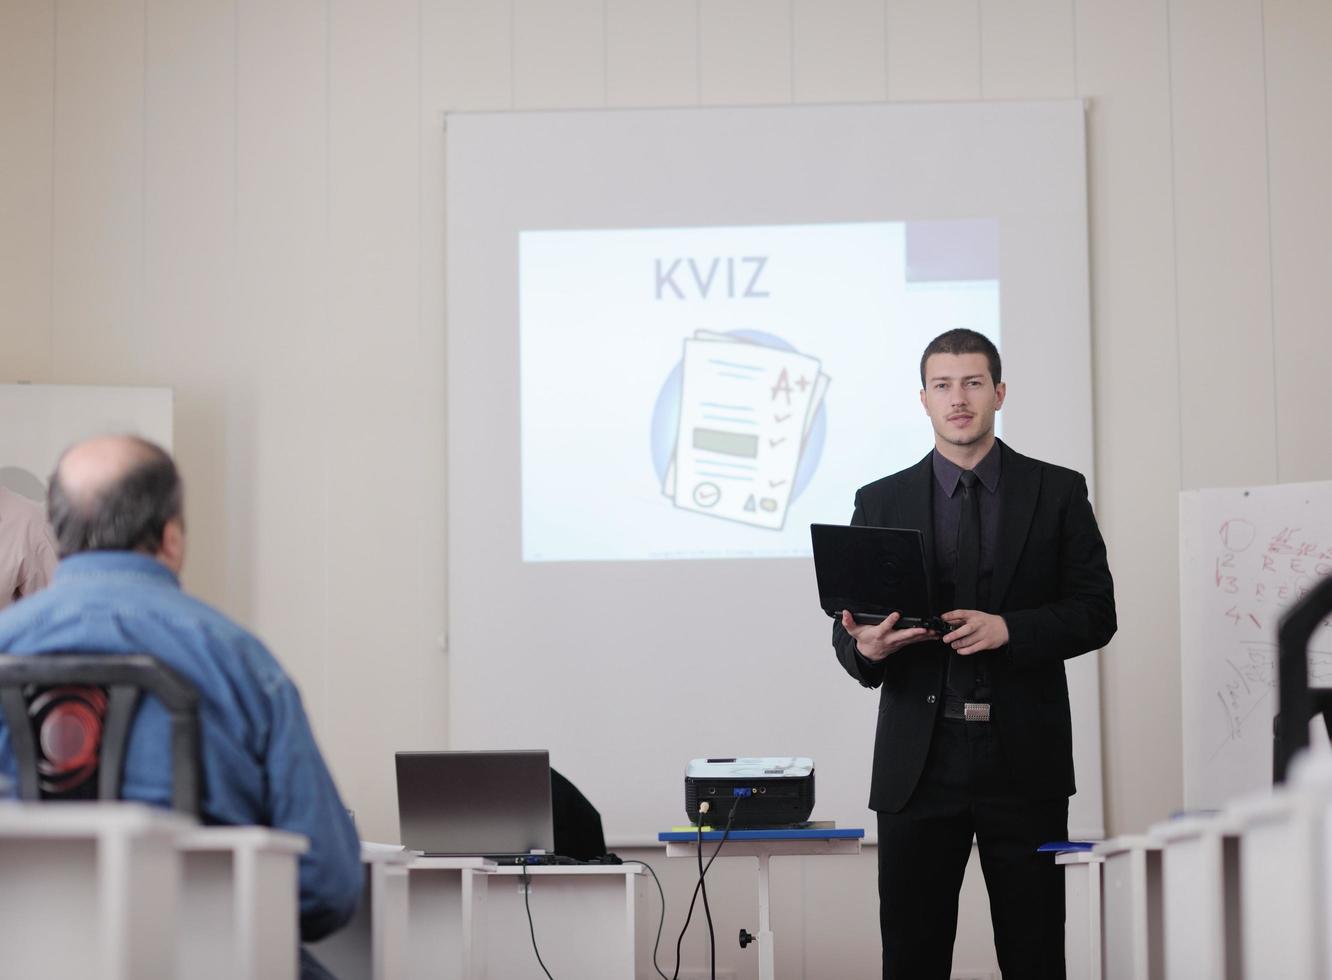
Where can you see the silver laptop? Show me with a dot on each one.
(489, 804)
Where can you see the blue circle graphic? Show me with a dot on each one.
(666, 417)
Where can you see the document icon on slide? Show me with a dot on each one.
(745, 410)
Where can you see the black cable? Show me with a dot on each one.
(707, 910)
(527, 904)
(661, 921)
(690, 914)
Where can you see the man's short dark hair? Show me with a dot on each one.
(963, 341)
(129, 513)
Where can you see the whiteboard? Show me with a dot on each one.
(42, 421)
(1245, 556)
(625, 670)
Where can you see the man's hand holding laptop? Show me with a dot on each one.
(972, 632)
(877, 642)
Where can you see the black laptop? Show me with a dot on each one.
(477, 804)
(873, 572)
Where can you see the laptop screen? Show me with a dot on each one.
(475, 803)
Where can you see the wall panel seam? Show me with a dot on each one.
(883, 9)
(421, 346)
(698, 52)
(1073, 32)
(143, 178)
(51, 232)
(980, 50)
(325, 676)
(790, 52)
(1271, 261)
(1174, 240)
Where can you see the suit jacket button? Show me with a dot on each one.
(931, 699)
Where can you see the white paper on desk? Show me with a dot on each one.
(745, 410)
(378, 848)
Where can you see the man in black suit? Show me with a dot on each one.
(974, 734)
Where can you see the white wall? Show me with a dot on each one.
(243, 199)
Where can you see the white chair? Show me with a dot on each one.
(89, 890)
(1283, 874)
(1083, 917)
(239, 915)
(1134, 926)
(1201, 882)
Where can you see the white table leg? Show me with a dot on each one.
(476, 886)
(767, 959)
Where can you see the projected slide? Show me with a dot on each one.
(709, 392)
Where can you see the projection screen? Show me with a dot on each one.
(677, 338)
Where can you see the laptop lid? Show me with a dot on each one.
(494, 804)
(872, 571)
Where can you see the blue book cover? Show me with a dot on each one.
(1058, 846)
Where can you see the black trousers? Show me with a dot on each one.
(924, 849)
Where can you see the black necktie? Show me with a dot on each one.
(967, 572)
(962, 674)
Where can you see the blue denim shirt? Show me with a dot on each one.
(260, 761)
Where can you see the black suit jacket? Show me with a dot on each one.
(1051, 584)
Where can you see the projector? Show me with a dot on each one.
(766, 791)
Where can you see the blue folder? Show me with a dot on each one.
(1058, 846)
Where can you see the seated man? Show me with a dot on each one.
(115, 504)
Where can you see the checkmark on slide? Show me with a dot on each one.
(774, 443)
(781, 418)
(775, 483)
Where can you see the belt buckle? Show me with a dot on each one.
(972, 711)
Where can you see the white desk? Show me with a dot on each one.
(89, 890)
(584, 915)
(446, 904)
(374, 945)
(763, 845)
(1200, 878)
(1083, 935)
(1132, 903)
(1283, 911)
(466, 919)
(239, 912)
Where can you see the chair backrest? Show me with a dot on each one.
(69, 716)
(1296, 704)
